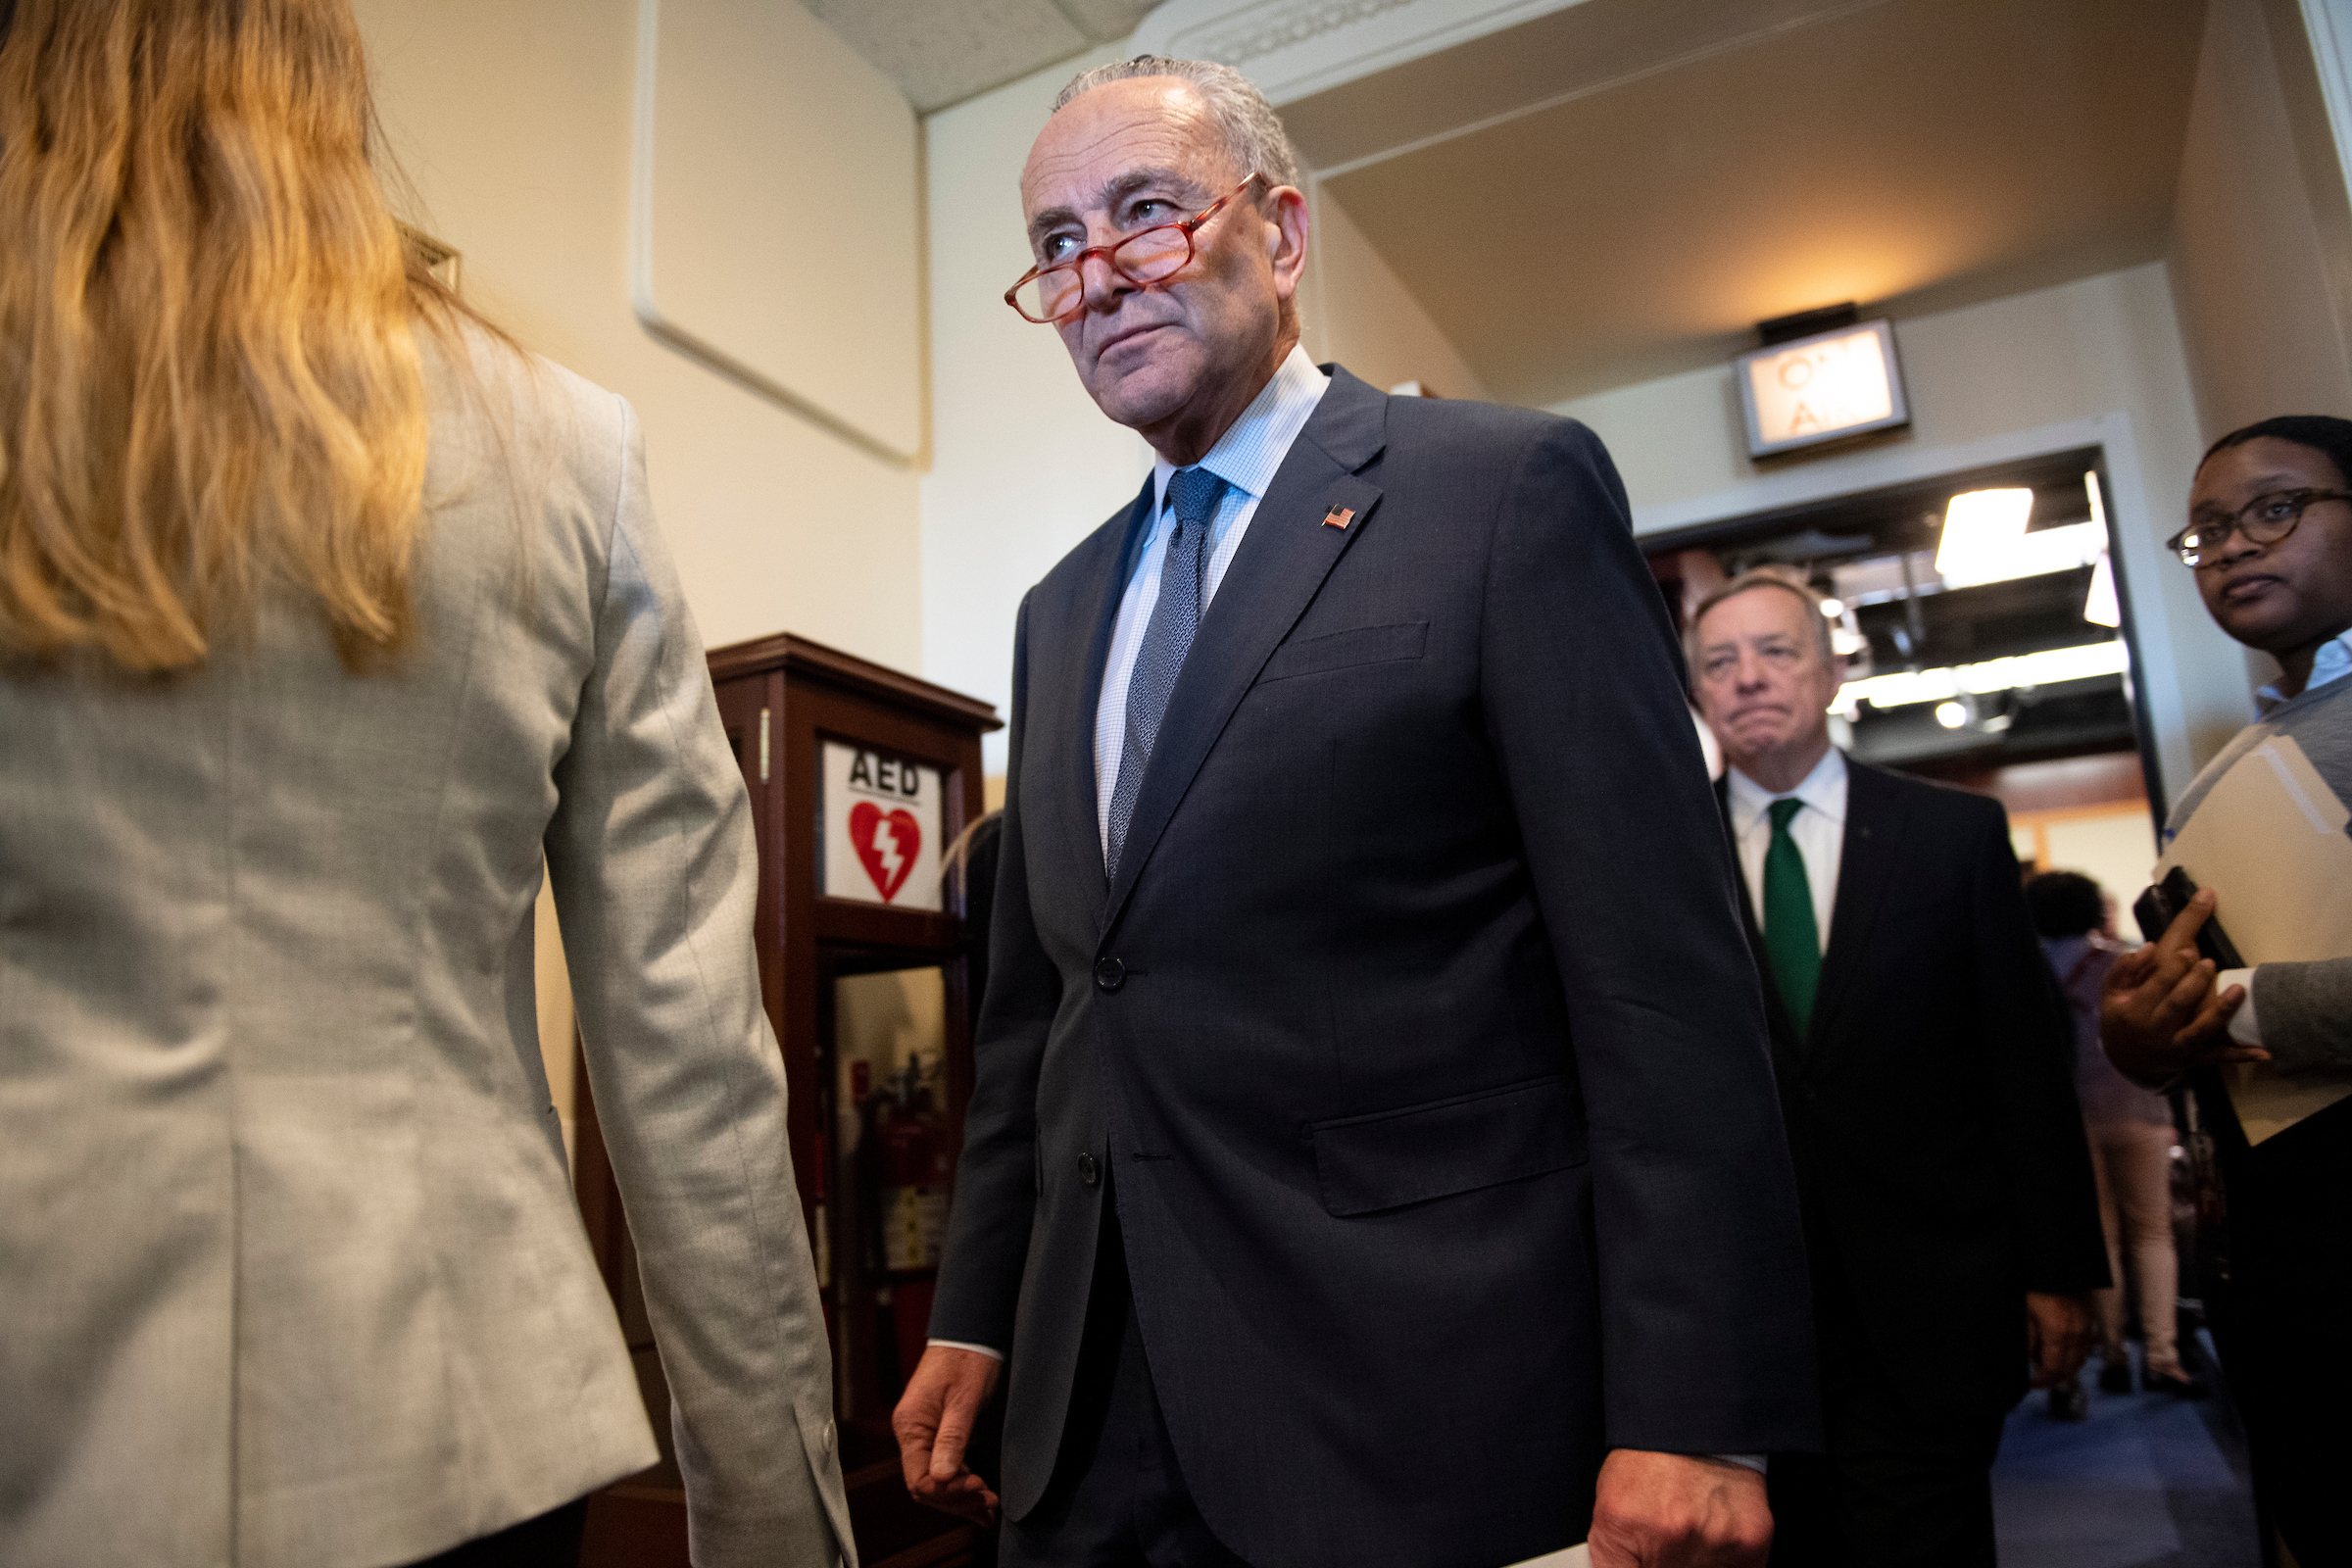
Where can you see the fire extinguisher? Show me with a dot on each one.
(914, 1166)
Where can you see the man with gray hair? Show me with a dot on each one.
(1373, 1159)
(1923, 1051)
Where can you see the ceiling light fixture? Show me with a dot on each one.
(2048, 667)
(1984, 540)
(2100, 607)
(1981, 527)
(1951, 715)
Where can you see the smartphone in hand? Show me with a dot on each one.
(2158, 906)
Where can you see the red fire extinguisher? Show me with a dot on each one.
(914, 1166)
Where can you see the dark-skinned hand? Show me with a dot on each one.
(2159, 1013)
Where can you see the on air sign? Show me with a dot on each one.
(881, 828)
(1826, 387)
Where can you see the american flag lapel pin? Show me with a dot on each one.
(1338, 517)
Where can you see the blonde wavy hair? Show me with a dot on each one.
(210, 379)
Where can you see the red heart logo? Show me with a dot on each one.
(887, 845)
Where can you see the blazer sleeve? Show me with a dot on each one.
(2030, 1041)
(1706, 1335)
(656, 877)
(995, 1181)
(2305, 1012)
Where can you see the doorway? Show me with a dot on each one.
(2004, 668)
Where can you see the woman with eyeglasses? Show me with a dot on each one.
(2270, 539)
(325, 613)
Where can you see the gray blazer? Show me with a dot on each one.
(290, 1271)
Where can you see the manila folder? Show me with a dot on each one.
(2269, 838)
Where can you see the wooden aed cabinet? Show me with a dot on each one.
(862, 781)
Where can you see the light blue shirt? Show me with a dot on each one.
(1244, 457)
(2333, 662)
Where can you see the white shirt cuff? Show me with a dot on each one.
(981, 1350)
(2244, 1028)
(1745, 1461)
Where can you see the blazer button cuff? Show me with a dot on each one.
(1110, 974)
(1088, 1171)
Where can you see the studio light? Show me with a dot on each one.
(1951, 715)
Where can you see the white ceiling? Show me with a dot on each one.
(1620, 189)
(940, 52)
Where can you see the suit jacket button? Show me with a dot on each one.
(1110, 974)
(1088, 1171)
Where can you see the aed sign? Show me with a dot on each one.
(881, 828)
(1834, 384)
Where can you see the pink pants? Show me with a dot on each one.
(2134, 1161)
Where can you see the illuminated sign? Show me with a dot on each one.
(1827, 387)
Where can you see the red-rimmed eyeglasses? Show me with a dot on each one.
(1050, 294)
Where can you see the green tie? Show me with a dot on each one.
(1790, 939)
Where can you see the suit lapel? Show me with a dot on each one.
(1873, 816)
(1096, 611)
(1282, 562)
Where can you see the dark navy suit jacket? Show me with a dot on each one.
(1931, 1104)
(1416, 1037)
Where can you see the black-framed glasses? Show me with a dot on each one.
(1050, 294)
(2264, 520)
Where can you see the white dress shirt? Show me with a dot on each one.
(1818, 831)
(1244, 457)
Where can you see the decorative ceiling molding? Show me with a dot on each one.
(940, 52)
(1292, 48)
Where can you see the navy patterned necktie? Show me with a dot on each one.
(1167, 637)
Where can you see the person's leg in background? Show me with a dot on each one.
(2138, 1169)
(2115, 1376)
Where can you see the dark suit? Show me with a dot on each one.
(1942, 1168)
(1415, 1036)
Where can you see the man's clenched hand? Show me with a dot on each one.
(934, 1422)
(1676, 1510)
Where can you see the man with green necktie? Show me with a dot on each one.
(1923, 1052)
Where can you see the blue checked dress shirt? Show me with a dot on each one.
(1244, 457)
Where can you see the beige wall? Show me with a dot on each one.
(2262, 238)
(1357, 311)
(513, 121)
(1023, 465)
(2098, 360)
